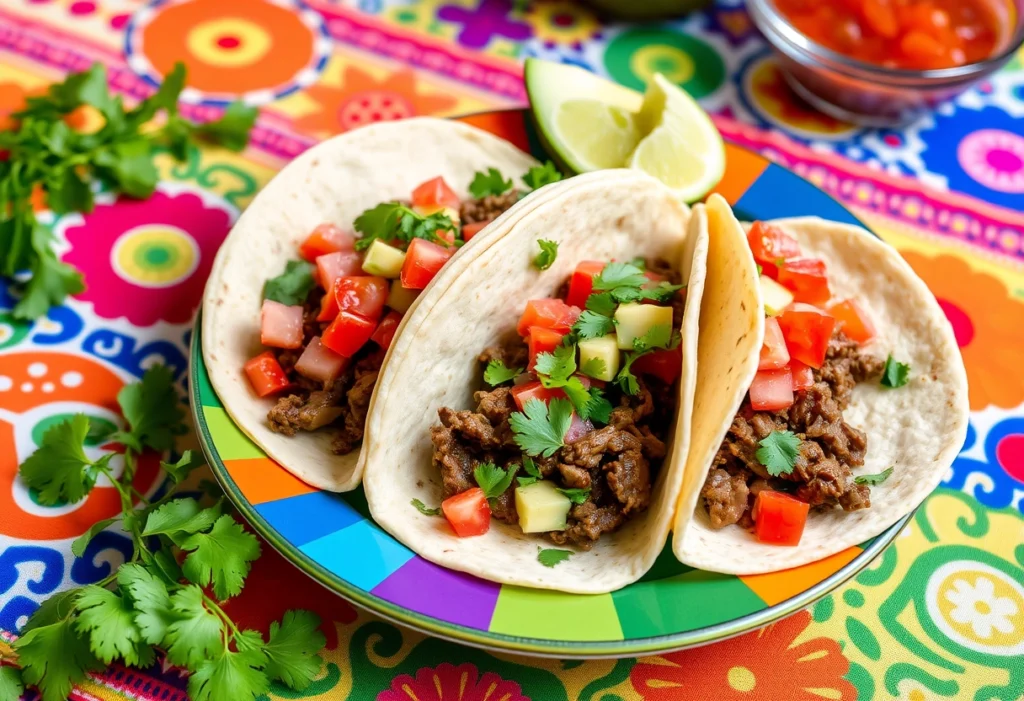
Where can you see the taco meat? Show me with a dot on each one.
(488, 207)
(828, 451)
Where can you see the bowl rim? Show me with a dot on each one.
(772, 23)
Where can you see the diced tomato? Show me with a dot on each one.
(577, 428)
(266, 374)
(332, 266)
(770, 244)
(364, 295)
(280, 325)
(549, 314)
(853, 320)
(663, 364)
(385, 332)
(803, 376)
(318, 362)
(348, 333)
(326, 238)
(422, 261)
(468, 512)
(581, 284)
(328, 305)
(807, 330)
(779, 518)
(807, 278)
(773, 353)
(542, 340)
(434, 193)
(523, 393)
(471, 230)
(771, 390)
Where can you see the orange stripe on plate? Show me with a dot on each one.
(507, 124)
(776, 587)
(261, 480)
(742, 168)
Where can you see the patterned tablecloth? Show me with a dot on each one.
(939, 615)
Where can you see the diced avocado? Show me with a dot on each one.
(541, 507)
(384, 260)
(633, 321)
(776, 297)
(401, 298)
(605, 349)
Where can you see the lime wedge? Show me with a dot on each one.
(682, 148)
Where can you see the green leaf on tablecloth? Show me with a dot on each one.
(196, 633)
(220, 557)
(60, 470)
(55, 657)
(79, 544)
(183, 516)
(153, 411)
(183, 467)
(229, 675)
(107, 618)
(293, 647)
(152, 603)
(11, 688)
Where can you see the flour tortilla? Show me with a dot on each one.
(917, 429)
(617, 214)
(333, 182)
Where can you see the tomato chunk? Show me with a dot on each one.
(332, 266)
(807, 278)
(549, 314)
(422, 262)
(318, 362)
(771, 390)
(542, 340)
(364, 295)
(348, 333)
(853, 320)
(434, 193)
(468, 512)
(326, 238)
(803, 376)
(280, 325)
(266, 374)
(581, 284)
(666, 365)
(386, 329)
(779, 518)
(807, 330)
(523, 393)
(471, 230)
(770, 243)
(774, 354)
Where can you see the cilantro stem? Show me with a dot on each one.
(215, 607)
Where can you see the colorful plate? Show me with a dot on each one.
(332, 538)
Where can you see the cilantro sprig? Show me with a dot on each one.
(590, 324)
(293, 285)
(424, 509)
(45, 154)
(492, 479)
(497, 373)
(626, 282)
(540, 429)
(488, 183)
(546, 257)
(532, 472)
(777, 452)
(392, 220)
(549, 557)
(873, 479)
(539, 176)
(661, 336)
(152, 602)
(895, 374)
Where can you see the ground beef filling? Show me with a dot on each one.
(487, 208)
(829, 450)
(617, 462)
(341, 405)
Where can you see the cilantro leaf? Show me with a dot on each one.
(232, 129)
(659, 336)
(292, 649)
(392, 220)
(555, 368)
(497, 374)
(293, 285)
(183, 467)
(10, 683)
(549, 557)
(184, 516)
(195, 635)
(594, 367)
(625, 379)
(79, 544)
(221, 556)
(229, 675)
(50, 283)
(492, 479)
(598, 409)
(151, 601)
(616, 275)
(55, 657)
(153, 411)
(532, 472)
(424, 509)
(578, 395)
(490, 183)
(576, 496)
(59, 469)
(107, 619)
(590, 324)
(778, 451)
(601, 303)
(540, 429)
(547, 255)
(874, 479)
(895, 374)
(539, 176)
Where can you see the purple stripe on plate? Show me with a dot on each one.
(434, 591)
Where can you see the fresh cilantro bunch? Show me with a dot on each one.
(389, 221)
(43, 153)
(158, 598)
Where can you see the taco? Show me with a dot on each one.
(831, 395)
(311, 285)
(533, 429)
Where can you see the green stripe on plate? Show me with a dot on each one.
(686, 602)
(553, 615)
(207, 397)
(229, 441)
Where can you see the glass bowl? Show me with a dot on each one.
(865, 93)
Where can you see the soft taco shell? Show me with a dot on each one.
(332, 182)
(601, 216)
(917, 429)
